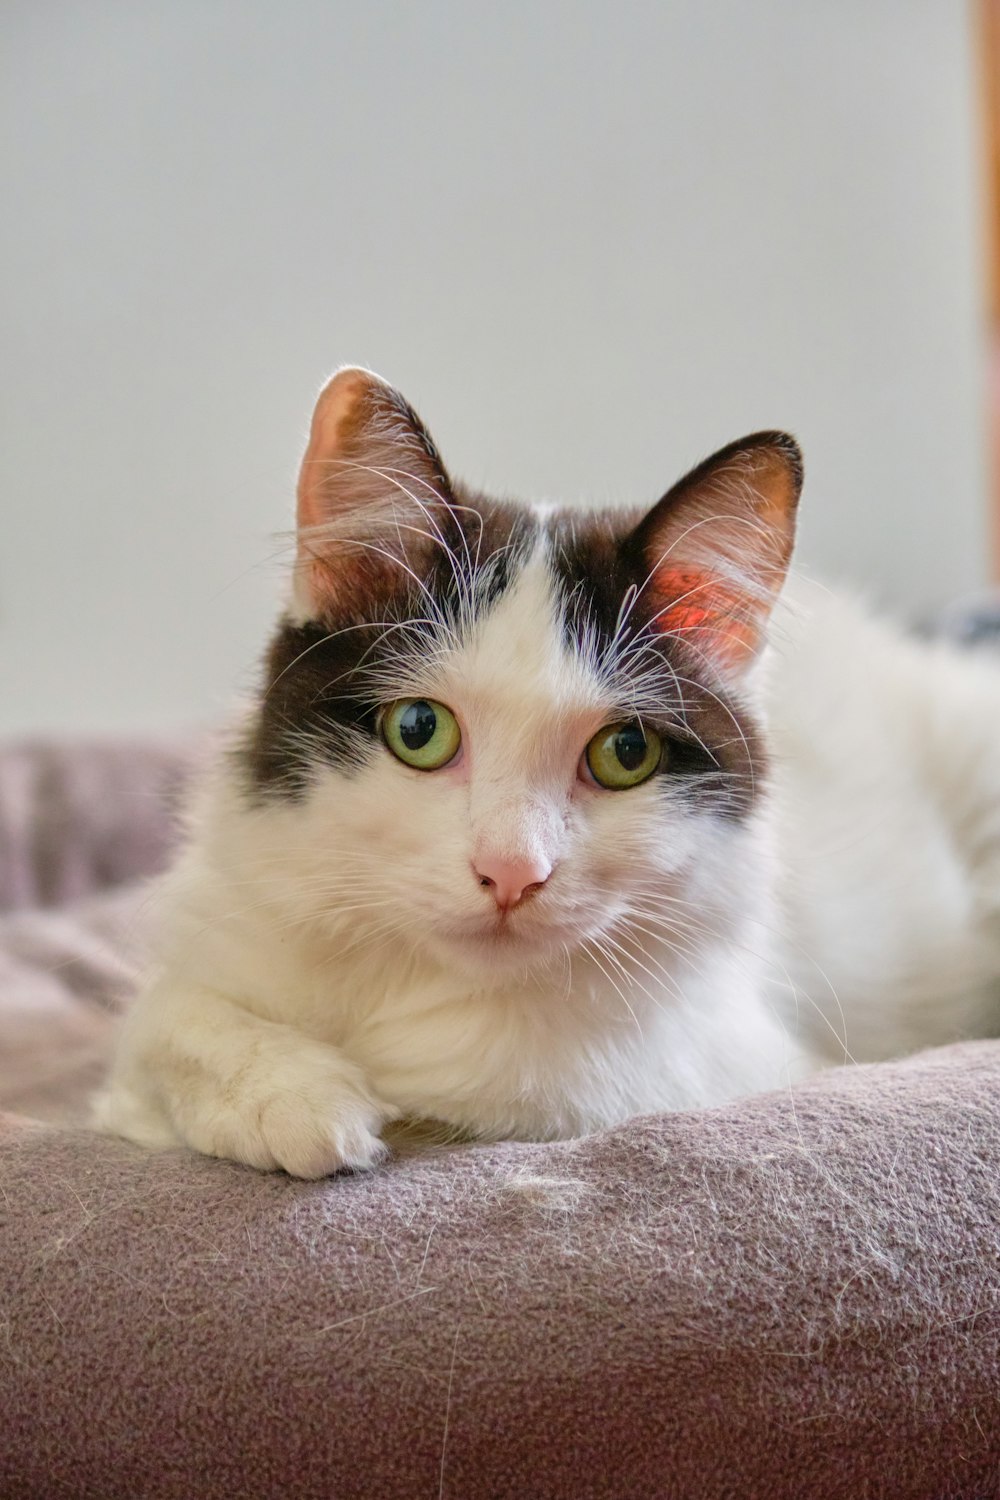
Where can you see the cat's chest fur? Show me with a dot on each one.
(545, 1051)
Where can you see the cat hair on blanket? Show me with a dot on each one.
(548, 818)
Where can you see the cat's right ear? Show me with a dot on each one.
(372, 495)
(715, 550)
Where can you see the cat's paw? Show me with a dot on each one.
(304, 1108)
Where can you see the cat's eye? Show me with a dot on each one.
(421, 733)
(623, 755)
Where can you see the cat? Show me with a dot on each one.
(548, 818)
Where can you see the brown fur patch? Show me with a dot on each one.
(319, 697)
(714, 741)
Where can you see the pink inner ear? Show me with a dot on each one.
(702, 610)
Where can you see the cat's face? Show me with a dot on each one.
(502, 735)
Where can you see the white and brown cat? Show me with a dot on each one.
(530, 831)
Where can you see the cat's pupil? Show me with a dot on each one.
(631, 747)
(417, 725)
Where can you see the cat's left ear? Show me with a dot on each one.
(373, 496)
(715, 551)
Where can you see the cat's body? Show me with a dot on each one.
(885, 798)
(505, 941)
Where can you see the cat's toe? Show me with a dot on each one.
(324, 1137)
(296, 1104)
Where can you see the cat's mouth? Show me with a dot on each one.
(497, 951)
(501, 932)
(515, 934)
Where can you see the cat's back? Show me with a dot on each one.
(886, 800)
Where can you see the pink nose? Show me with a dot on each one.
(511, 880)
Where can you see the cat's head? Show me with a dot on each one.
(504, 733)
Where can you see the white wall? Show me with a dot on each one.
(591, 241)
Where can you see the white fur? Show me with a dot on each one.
(328, 964)
(886, 808)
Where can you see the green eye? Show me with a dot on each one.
(623, 755)
(420, 733)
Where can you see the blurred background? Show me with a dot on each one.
(590, 241)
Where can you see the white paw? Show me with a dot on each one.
(300, 1106)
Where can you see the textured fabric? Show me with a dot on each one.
(77, 818)
(798, 1295)
(63, 973)
(794, 1296)
(79, 824)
